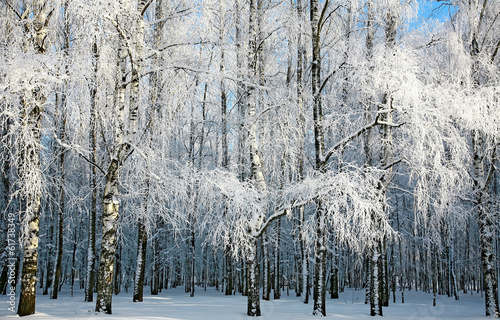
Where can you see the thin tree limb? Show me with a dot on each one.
(349, 138)
(146, 6)
(12, 8)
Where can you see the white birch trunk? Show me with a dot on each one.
(253, 306)
(486, 229)
(256, 166)
(320, 252)
(141, 255)
(32, 175)
(321, 243)
(111, 206)
(486, 218)
(30, 171)
(375, 305)
(122, 149)
(304, 253)
(91, 250)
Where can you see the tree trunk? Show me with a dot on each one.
(334, 274)
(240, 92)
(320, 253)
(155, 273)
(266, 279)
(193, 258)
(486, 228)
(225, 147)
(384, 278)
(91, 249)
(111, 206)
(60, 208)
(61, 133)
(153, 113)
(321, 244)
(253, 307)
(392, 272)
(60, 244)
(120, 153)
(111, 196)
(277, 275)
(304, 254)
(27, 297)
(229, 271)
(141, 260)
(117, 281)
(486, 218)
(47, 283)
(73, 262)
(375, 303)
(7, 226)
(304, 258)
(30, 172)
(434, 266)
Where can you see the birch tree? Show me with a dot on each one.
(91, 247)
(27, 160)
(480, 19)
(321, 244)
(131, 20)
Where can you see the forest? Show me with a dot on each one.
(252, 146)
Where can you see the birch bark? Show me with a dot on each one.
(321, 242)
(61, 153)
(253, 308)
(304, 253)
(30, 171)
(482, 158)
(91, 249)
(122, 145)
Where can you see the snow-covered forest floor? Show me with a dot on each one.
(174, 304)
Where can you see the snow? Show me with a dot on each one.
(175, 304)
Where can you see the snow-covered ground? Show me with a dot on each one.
(174, 304)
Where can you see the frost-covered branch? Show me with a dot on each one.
(14, 10)
(127, 43)
(349, 138)
(178, 14)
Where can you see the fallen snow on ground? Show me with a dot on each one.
(174, 304)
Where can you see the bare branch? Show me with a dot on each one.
(26, 12)
(329, 76)
(392, 164)
(278, 213)
(69, 147)
(328, 17)
(146, 6)
(171, 45)
(180, 13)
(322, 16)
(12, 8)
(124, 37)
(493, 56)
(491, 170)
(92, 163)
(390, 124)
(48, 17)
(351, 137)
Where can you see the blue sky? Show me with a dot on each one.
(433, 9)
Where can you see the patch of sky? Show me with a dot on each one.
(441, 10)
